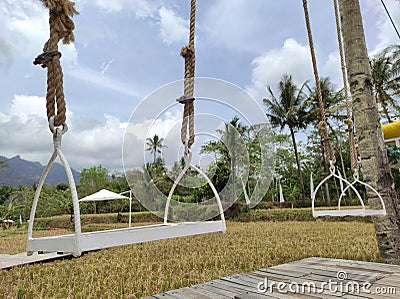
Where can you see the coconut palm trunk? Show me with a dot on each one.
(296, 154)
(373, 154)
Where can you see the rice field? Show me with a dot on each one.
(144, 269)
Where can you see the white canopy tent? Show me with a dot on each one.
(104, 194)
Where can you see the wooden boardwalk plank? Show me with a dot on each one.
(331, 271)
(8, 261)
(200, 289)
(299, 282)
(317, 272)
(214, 287)
(369, 266)
(243, 290)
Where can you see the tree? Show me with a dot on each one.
(11, 211)
(5, 192)
(230, 137)
(289, 109)
(385, 71)
(92, 180)
(229, 151)
(373, 155)
(154, 146)
(334, 103)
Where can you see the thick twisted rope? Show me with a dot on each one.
(188, 53)
(61, 28)
(348, 121)
(322, 124)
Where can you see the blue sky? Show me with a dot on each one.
(125, 49)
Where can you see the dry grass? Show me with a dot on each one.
(148, 268)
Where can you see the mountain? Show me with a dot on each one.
(17, 171)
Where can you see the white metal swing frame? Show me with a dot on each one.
(339, 212)
(79, 242)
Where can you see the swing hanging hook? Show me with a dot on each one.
(44, 58)
(56, 130)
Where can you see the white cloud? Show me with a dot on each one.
(100, 144)
(25, 26)
(142, 8)
(25, 131)
(25, 106)
(294, 59)
(89, 141)
(163, 126)
(6, 57)
(173, 28)
(25, 29)
(268, 68)
(69, 54)
(387, 34)
(332, 69)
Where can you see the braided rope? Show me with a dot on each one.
(348, 121)
(322, 124)
(61, 28)
(188, 53)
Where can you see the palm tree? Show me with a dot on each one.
(230, 138)
(375, 163)
(229, 149)
(394, 52)
(154, 146)
(289, 109)
(385, 70)
(334, 102)
(11, 210)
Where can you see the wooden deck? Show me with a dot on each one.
(12, 260)
(307, 278)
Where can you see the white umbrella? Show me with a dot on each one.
(104, 194)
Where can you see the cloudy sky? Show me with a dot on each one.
(126, 49)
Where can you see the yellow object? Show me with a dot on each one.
(391, 130)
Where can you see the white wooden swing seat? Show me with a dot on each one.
(118, 237)
(79, 242)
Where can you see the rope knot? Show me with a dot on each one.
(348, 122)
(61, 12)
(185, 100)
(46, 57)
(187, 51)
(322, 127)
(61, 27)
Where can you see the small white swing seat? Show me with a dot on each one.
(339, 212)
(348, 212)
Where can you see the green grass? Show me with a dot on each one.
(297, 214)
(63, 221)
(154, 267)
